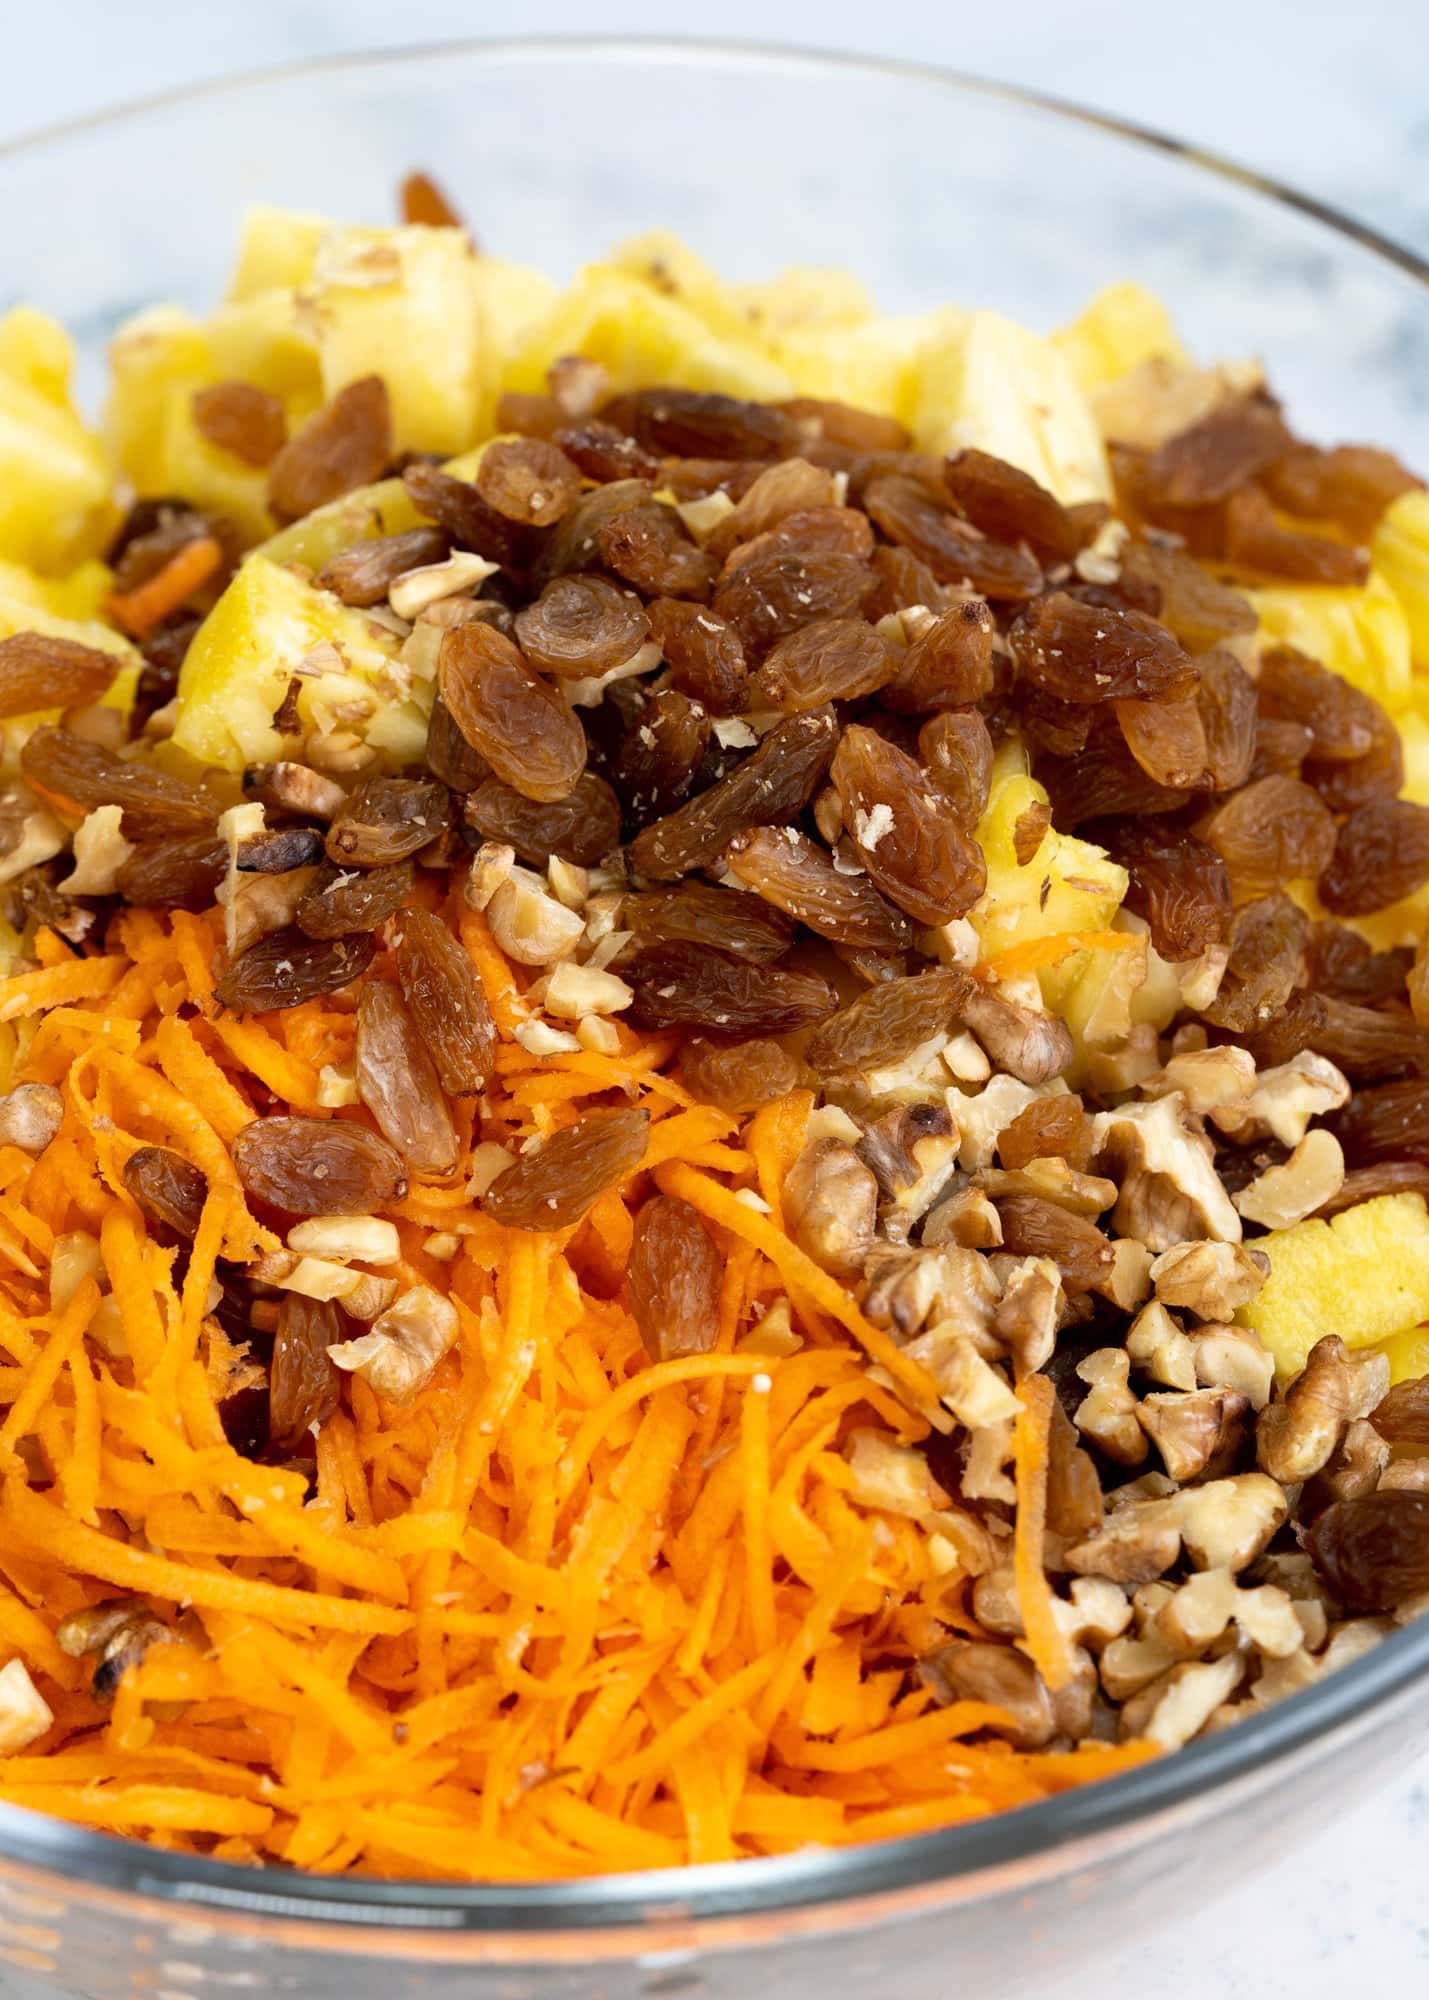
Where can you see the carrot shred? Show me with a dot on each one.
(1035, 954)
(1032, 1432)
(138, 611)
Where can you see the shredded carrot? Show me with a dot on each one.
(139, 610)
(1034, 954)
(567, 1609)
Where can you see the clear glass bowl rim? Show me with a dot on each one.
(804, 1880)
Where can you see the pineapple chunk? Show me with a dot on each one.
(263, 340)
(1067, 885)
(1122, 327)
(670, 269)
(1361, 633)
(1006, 390)
(402, 303)
(803, 296)
(1400, 552)
(209, 477)
(1364, 1276)
(875, 364)
(1408, 1354)
(149, 355)
(276, 249)
(237, 669)
(1414, 735)
(359, 516)
(56, 503)
(640, 338)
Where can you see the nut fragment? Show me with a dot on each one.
(831, 1204)
(1212, 1280)
(100, 851)
(530, 925)
(1285, 1099)
(892, 1476)
(25, 1715)
(30, 1116)
(1174, 1709)
(1195, 1430)
(1107, 1415)
(1298, 1436)
(976, 1670)
(1164, 1165)
(399, 1356)
(1285, 1195)
(363, 1239)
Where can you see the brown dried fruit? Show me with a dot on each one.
(1381, 854)
(347, 444)
(813, 531)
(528, 481)
(738, 1076)
(1010, 506)
(704, 654)
(241, 418)
(1099, 776)
(1379, 774)
(904, 580)
(1350, 484)
(1032, 1227)
(423, 200)
(1267, 962)
(1343, 722)
(1389, 1123)
(574, 543)
(168, 1188)
(914, 849)
(554, 1187)
(1342, 963)
(39, 671)
(1368, 1043)
(954, 550)
(344, 902)
(1089, 653)
(798, 876)
(773, 594)
(651, 548)
(582, 827)
(1280, 747)
(1273, 831)
(447, 1003)
(363, 574)
(1373, 1553)
(698, 913)
(286, 968)
(509, 716)
(318, 1166)
(1403, 1415)
(397, 1081)
(457, 507)
(449, 756)
(383, 820)
(1219, 455)
(836, 659)
(948, 664)
(887, 1021)
(303, 1385)
(957, 749)
(1178, 885)
(673, 1280)
(1168, 740)
(156, 804)
(604, 453)
(582, 625)
(1388, 1177)
(1256, 540)
(661, 754)
(1050, 1128)
(174, 874)
(1227, 701)
(769, 788)
(682, 984)
(791, 487)
(845, 424)
(1188, 600)
(689, 423)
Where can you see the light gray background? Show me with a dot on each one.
(1334, 98)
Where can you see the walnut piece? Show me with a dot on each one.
(1285, 1099)
(1164, 1166)
(1212, 1280)
(1196, 1431)
(831, 1205)
(1107, 1414)
(1297, 1436)
(1300, 1186)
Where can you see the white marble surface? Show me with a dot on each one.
(1332, 99)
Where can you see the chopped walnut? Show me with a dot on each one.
(1128, 1283)
(1027, 1315)
(1211, 1280)
(989, 1452)
(1202, 1609)
(912, 1152)
(1224, 1524)
(981, 1117)
(1107, 1414)
(1284, 1100)
(1408, 1475)
(1298, 1435)
(1164, 1166)
(962, 1544)
(1052, 1180)
(399, 1356)
(1356, 1467)
(1300, 1186)
(979, 1670)
(1196, 1431)
(892, 1476)
(30, 1116)
(1208, 1079)
(976, 1392)
(1178, 1706)
(1231, 1357)
(831, 1205)
(1109, 1072)
(1159, 1348)
(967, 1220)
(911, 1288)
(25, 1715)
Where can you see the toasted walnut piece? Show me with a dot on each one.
(1159, 1347)
(399, 1356)
(912, 1288)
(1354, 1468)
(293, 788)
(1165, 1167)
(1026, 1317)
(1231, 1357)
(1107, 1414)
(25, 1715)
(1226, 1523)
(1211, 1280)
(960, 1544)
(983, 1115)
(1285, 1099)
(977, 1670)
(1133, 1661)
(989, 1453)
(1405, 1475)
(30, 1116)
(1135, 1544)
(1052, 1180)
(1128, 1283)
(1031, 1046)
(1110, 1072)
(1174, 1709)
(1208, 1079)
(892, 1476)
(364, 1239)
(1197, 1430)
(1298, 1437)
(530, 925)
(977, 1393)
(831, 1205)
(1300, 1186)
(966, 1220)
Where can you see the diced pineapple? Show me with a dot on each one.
(1123, 326)
(640, 338)
(1400, 552)
(1414, 735)
(1360, 633)
(36, 350)
(276, 248)
(1067, 885)
(1408, 1354)
(803, 296)
(875, 364)
(56, 501)
(402, 303)
(359, 516)
(264, 339)
(266, 623)
(1364, 1276)
(151, 354)
(78, 596)
(211, 478)
(1005, 390)
(671, 269)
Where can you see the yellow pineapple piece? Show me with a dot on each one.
(1122, 327)
(1364, 1276)
(56, 500)
(211, 478)
(800, 297)
(672, 270)
(264, 339)
(1400, 553)
(874, 363)
(1361, 633)
(1067, 885)
(276, 249)
(267, 623)
(36, 350)
(1408, 1354)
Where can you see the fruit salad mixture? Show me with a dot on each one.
(714, 1059)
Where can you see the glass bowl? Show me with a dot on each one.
(932, 188)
